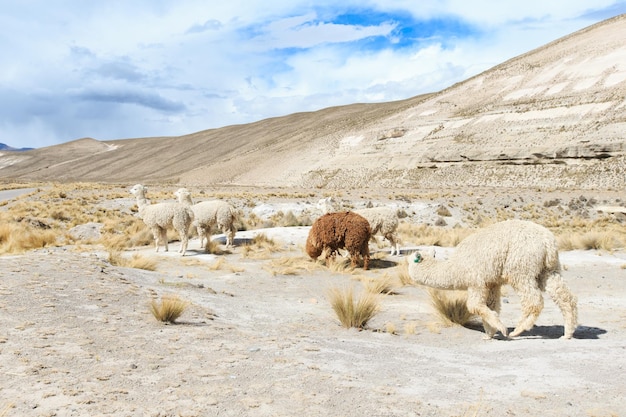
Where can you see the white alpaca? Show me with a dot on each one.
(515, 252)
(210, 213)
(159, 217)
(382, 220)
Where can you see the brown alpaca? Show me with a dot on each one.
(334, 231)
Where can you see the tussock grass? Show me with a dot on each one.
(420, 234)
(351, 311)
(599, 240)
(213, 247)
(260, 247)
(290, 266)
(135, 261)
(403, 273)
(19, 238)
(169, 309)
(383, 285)
(450, 306)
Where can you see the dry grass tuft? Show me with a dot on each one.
(213, 247)
(421, 234)
(135, 261)
(450, 306)
(260, 247)
(18, 237)
(403, 273)
(353, 312)
(384, 285)
(290, 266)
(169, 309)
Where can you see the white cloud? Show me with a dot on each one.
(149, 68)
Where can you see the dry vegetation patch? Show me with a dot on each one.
(169, 309)
(354, 310)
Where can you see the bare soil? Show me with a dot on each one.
(260, 339)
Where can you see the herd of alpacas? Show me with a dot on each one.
(518, 253)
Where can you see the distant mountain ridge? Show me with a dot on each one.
(5, 147)
(554, 117)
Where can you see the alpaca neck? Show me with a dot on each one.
(441, 275)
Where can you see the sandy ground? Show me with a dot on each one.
(78, 340)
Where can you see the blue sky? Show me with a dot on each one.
(122, 69)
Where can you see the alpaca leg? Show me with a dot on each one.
(156, 234)
(493, 302)
(164, 239)
(477, 304)
(395, 249)
(532, 304)
(184, 239)
(201, 234)
(567, 302)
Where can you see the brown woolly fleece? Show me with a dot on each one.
(334, 231)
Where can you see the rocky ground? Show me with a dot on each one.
(260, 338)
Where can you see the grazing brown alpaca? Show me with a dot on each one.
(334, 231)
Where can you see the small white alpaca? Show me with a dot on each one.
(382, 220)
(519, 253)
(161, 216)
(210, 213)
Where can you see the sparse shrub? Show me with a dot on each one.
(18, 238)
(443, 211)
(169, 309)
(450, 306)
(135, 261)
(382, 285)
(353, 312)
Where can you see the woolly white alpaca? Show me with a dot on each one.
(515, 252)
(159, 217)
(382, 220)
(210, 213)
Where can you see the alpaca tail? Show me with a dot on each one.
(567, 302)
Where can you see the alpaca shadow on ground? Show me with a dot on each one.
(546, 332)
(556, 332)
(381, 264)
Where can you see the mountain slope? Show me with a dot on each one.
(554, 117)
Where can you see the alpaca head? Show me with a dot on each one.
(183, 194)
(312, 249)
(138, 190)
(328, 205)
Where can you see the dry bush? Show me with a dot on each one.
(221, 264)
(260, 247)
(18, 238)
(384, 285)
(353, 312)
(403, 273)
(135, 261)
(169, 309)
(213, 247)
(290, 266)
(598, 240)
(420, 234)
(450, 306)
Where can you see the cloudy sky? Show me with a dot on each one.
(120, 69)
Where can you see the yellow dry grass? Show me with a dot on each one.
(450, 306)
(351, 311)
(137, 261)
(169, 309)
(19, 237)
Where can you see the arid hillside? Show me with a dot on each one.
(554, 117)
